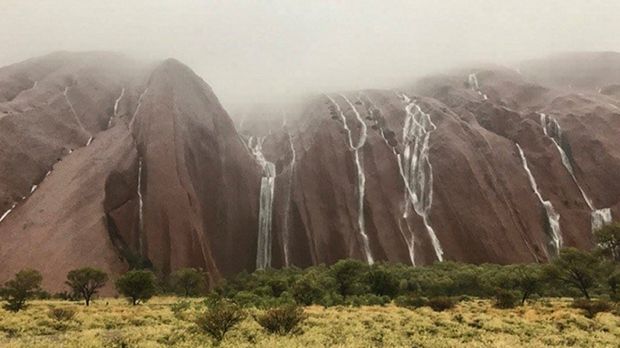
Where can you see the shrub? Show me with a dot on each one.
(180, 308)
(137, 285)
(86, 282)
(506, 299)
(281, 320)
(188, 282)
(441, 303)
(591, 308)
(24, 286)
(307, 291)
(61, 313)
(411, 301)
(220, 318)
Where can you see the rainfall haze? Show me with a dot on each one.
(256, 51)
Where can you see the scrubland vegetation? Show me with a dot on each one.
(571, 301)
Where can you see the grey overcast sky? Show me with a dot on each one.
(264, 49)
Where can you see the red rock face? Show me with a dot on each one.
(147, 169)
(484, 207)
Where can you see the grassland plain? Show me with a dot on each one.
(168, 321)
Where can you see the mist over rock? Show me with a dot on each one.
(114, 163)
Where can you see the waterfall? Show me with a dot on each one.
(77, 119)
(361, 178)
(133, 117)
(552, 216)
(287, 207)
(265, 213)
(472, 79)
(552, 130)
(6, 213)
(140, 207)
(416, 169)
(115, 113)
(409, 237)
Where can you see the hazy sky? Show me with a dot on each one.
(263, 49)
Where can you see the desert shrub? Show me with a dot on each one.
(367, 300)
(592, 308)
(307, 290)
(248, 299)
(411, 301)
(441, 303)
(349, 275)
(506, 299)
(188, 282)
(17, 291)
(330, 299)
(281, 320)
(61, 313)
(180, 308)
(382, 282)
(137, 285)
(220, 318)
(66, 296)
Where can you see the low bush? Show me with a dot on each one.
(411, 301)
(506, 299)
(281, 320)
(220, 318)
(441, 303)
(61, 314)
(591, 308)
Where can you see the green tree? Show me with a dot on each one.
(528, 279)
(382, 282)
(137, 285)
(188, 281)
(576, 268)
(307, 290)
(86, 282)
(25, 285)
(348, 275)
(608, 241)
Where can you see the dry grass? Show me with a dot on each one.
(114, 323)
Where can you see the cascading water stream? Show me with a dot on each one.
(265, 213)
(409, 237)
(115, 113)
(287, 207)
(416, 169)
(361, 178)
(553, 217)
(140, 208)
(6, 213)
(135, 113)
(77, 119)
(473, 82)
(552, 130)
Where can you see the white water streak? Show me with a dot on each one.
(416, 169)
(473, 82)
(287, 207)
(552, 216)
(409, 237)
(116, 102)
(265, 213)
(6, 213)
(77, 119)
(135, 113)
(140, 208)
(361, 178)
(551, 129)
